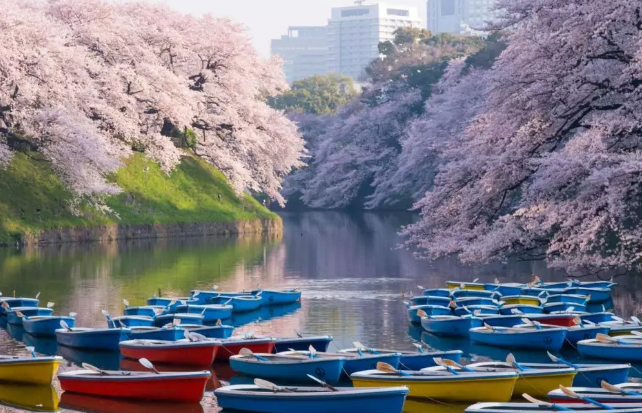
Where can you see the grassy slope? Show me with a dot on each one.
(189, 194)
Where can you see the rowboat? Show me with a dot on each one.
(597, 318)
(28, 370)
(536, 382)
(17, 302)
(217, 331)
(530, 407)
(201, 297)
(46, 326)
(165, 301)
(239, 304)
(522, 299)
(502, 320)
(130, 321)
(97, 339)
(443, 386)
(183, 352)
(584, 332)
(478, 310)
(589, 375)
(437, 292)
(598, 295)
(563, 307)
(233, 346)
(450, 325)
(277, 297)
(156, 333)
(468, 301)
(430, 300)
(42, 398)
(505, 289)
(143, 310)
(311, 400)
(84, 403)
(544, 338)
(15, 319)
(414, 318)
(559, 319)
(623, 350)
(290, 368)
(210, 312)
(178, 318)
(566, 298)
(420, 360)
(320, 343)
(170, 387)
(456, 294)
(451, 285)
(509, 309)
(621, 393)
(354, 361)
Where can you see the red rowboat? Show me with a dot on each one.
(560, 320)
(232, 346)
(183, 352)
(134, 365)
(174, 387)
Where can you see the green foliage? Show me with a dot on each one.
(32, 198)
(316, 95)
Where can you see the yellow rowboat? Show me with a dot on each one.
(522, 299)
(440, 386)
(25, 370)
(536, 382)
(26, 397)
(452, 285)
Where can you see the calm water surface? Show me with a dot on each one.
(352, 275)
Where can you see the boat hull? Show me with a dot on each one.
(553, 307)
(210, 313)
(46, 326)
(598, 295)
(231, 347)
(198, 354)
(142, 311)
(595, 349)
(36, 371)
(437, 292)
(274, 297)
(547, 339)
(414, 318)
(182, 318)
(591, 375)
(578, 333)
(222, 331)
(420, 361)
(93, 339)
(346, 400)
(164, 334)
(456, 327)
(18, 302)
(524, 308)
(430, 300)
(130, 321)
(326, 369)
(320, 344)
(13, 318)
(476, 309)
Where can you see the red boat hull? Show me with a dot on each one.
(230, 349)
(563, 320)
(202, 356)
(183, 389)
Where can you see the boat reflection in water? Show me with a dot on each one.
(90, 404)
(43, 345)
(105, 360)
(264, 313)
(15, 331)
(32, 398)
(134, 365)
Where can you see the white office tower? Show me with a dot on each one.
(460, 16)
(354, 34)
(304, 51)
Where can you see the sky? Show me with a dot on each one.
(269, 19)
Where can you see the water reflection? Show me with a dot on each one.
(31, 398)
(82, 403)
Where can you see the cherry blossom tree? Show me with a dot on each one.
(550, 167)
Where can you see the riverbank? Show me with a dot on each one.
(195, 200)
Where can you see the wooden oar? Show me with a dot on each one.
(148, 365)
(603, 338)
(108, 317)
(6, 305)
(50, 304)
(614, 389)
(636, 320)
(313, 351)
(19, 314)
(560, 360)
(422, 314)
(322, 383)
(248, 353)
(420, 347)
(126, 302)
(440, 362)
(219, 323)
(510, 359)
(545, 404)
(387, 368)
(64, 325)
(32, 350)
(453, 363)
(264, 384)
(570, 393)
(361, 347)
(88, 366)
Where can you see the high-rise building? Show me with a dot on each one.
(354, 34)
(304, 51)
(460, 16)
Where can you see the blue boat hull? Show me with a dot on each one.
(239, 304)
(587, 378)
(142, 311)
(597, 317)
(566, 298)
(503, 320)
(611, 352)
(12, 316)
(269, 402)
(211, 314)
(414, 318)
(328, 370)
(550, 340)
(453, 328)
(474, 294)
(130, 321)
(467, 301)
(429, 300)
(556, 307)
(162, 320)
(320, 344)
(369, 362)
(437, 292)
(165, 334)
(420, 361)
(46, 327)
(504, 289)
(477, 310)
(576, 334)
(598, 295)
(97, 339)
(272, 297)
(214, 331)
(524, 308)
(18, 302)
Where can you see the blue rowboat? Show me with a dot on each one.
(130, 321)
(437, 292)
(320, 343)
(15, 319)
(503, 320)
(625, 394)
(597, 318)
(590, 375)
(240, 304)
(414, 318)
(562, 307)
(98, 339)
(584, 332)
(18, 302)
(312, 399)
(541, 292)
(547, 338)
(456, 294)
(430, 300)
(275, 297)
(365, 361)
(143, 311)
(566, 298)
(626, 349)
(165, 301)
(523, 308)
(46, 326)
(420, 360)
(477, 310)
(210, 312)
(178, 318)
(452, 326)
(598, 295)
(505, 289)
(156, 333)
(468, 301)
(218, 331)
(291, 368)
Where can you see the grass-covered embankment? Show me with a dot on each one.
(33, 199)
